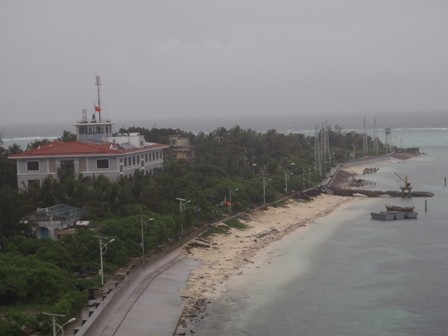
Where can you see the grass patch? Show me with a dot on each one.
(281, 203)
(236, 224)
(219, 229)
(224, 229)
(215, 230)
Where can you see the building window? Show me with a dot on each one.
(68, 165)
(32, 165)
(33, 184)
(129, 161)
(133, 160)
(102, 163)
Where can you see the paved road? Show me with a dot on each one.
(147, 303)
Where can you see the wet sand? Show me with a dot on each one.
(222, 256)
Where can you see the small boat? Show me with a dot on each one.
(410, 215)
(400, 208)
(383, 215)
(393, 215)
(399, 214)
(422, 194)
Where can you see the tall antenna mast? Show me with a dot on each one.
(365, 144)
(317, 152)
(375, 137)
(389, 144)
(98, 108)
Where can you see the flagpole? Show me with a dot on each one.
(98, 83)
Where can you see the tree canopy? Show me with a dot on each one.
(58, 274)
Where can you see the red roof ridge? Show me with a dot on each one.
(58, 147)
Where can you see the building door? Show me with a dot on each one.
(42, 232)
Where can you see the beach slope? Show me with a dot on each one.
(222, 255)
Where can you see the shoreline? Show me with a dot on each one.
(225, 256)
(222, 256)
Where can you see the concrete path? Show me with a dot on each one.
(147, 303)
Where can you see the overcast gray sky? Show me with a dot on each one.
(207, 58)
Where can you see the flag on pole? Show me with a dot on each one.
(97, 109)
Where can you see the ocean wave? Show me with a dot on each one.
(424, 129)
(29, 138)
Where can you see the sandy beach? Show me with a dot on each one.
(223, 255)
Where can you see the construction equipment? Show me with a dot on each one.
(406, 190)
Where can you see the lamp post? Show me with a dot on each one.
(182, 203)
(303, 178)
(265, 179)
(254, 165)
(142, 222)
(287, 175)
(309, 177)
(103, 250)
(58, 326)
(231, 191)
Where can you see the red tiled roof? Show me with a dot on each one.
(57, 148)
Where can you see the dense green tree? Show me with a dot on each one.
(8, 167)
(26, 279)
(67, 136)
(37, 143)
(226, 159)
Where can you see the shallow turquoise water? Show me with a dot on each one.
(357, 276)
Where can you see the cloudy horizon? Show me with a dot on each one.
(200, 59)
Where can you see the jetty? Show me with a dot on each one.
(377, 193)
(343, 182)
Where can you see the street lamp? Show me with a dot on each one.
(254, 165)
(309, 177)
(265, 179)
(231, 191)
(287, 175)
(103, 250)
(182, 203)
(303, 178)
(60, 328)
(142, 222)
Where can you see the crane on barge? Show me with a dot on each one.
(406, 190)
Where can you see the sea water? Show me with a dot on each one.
(351, 275)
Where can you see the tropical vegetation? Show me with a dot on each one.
(247, 166)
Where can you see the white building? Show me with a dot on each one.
(95, 152)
